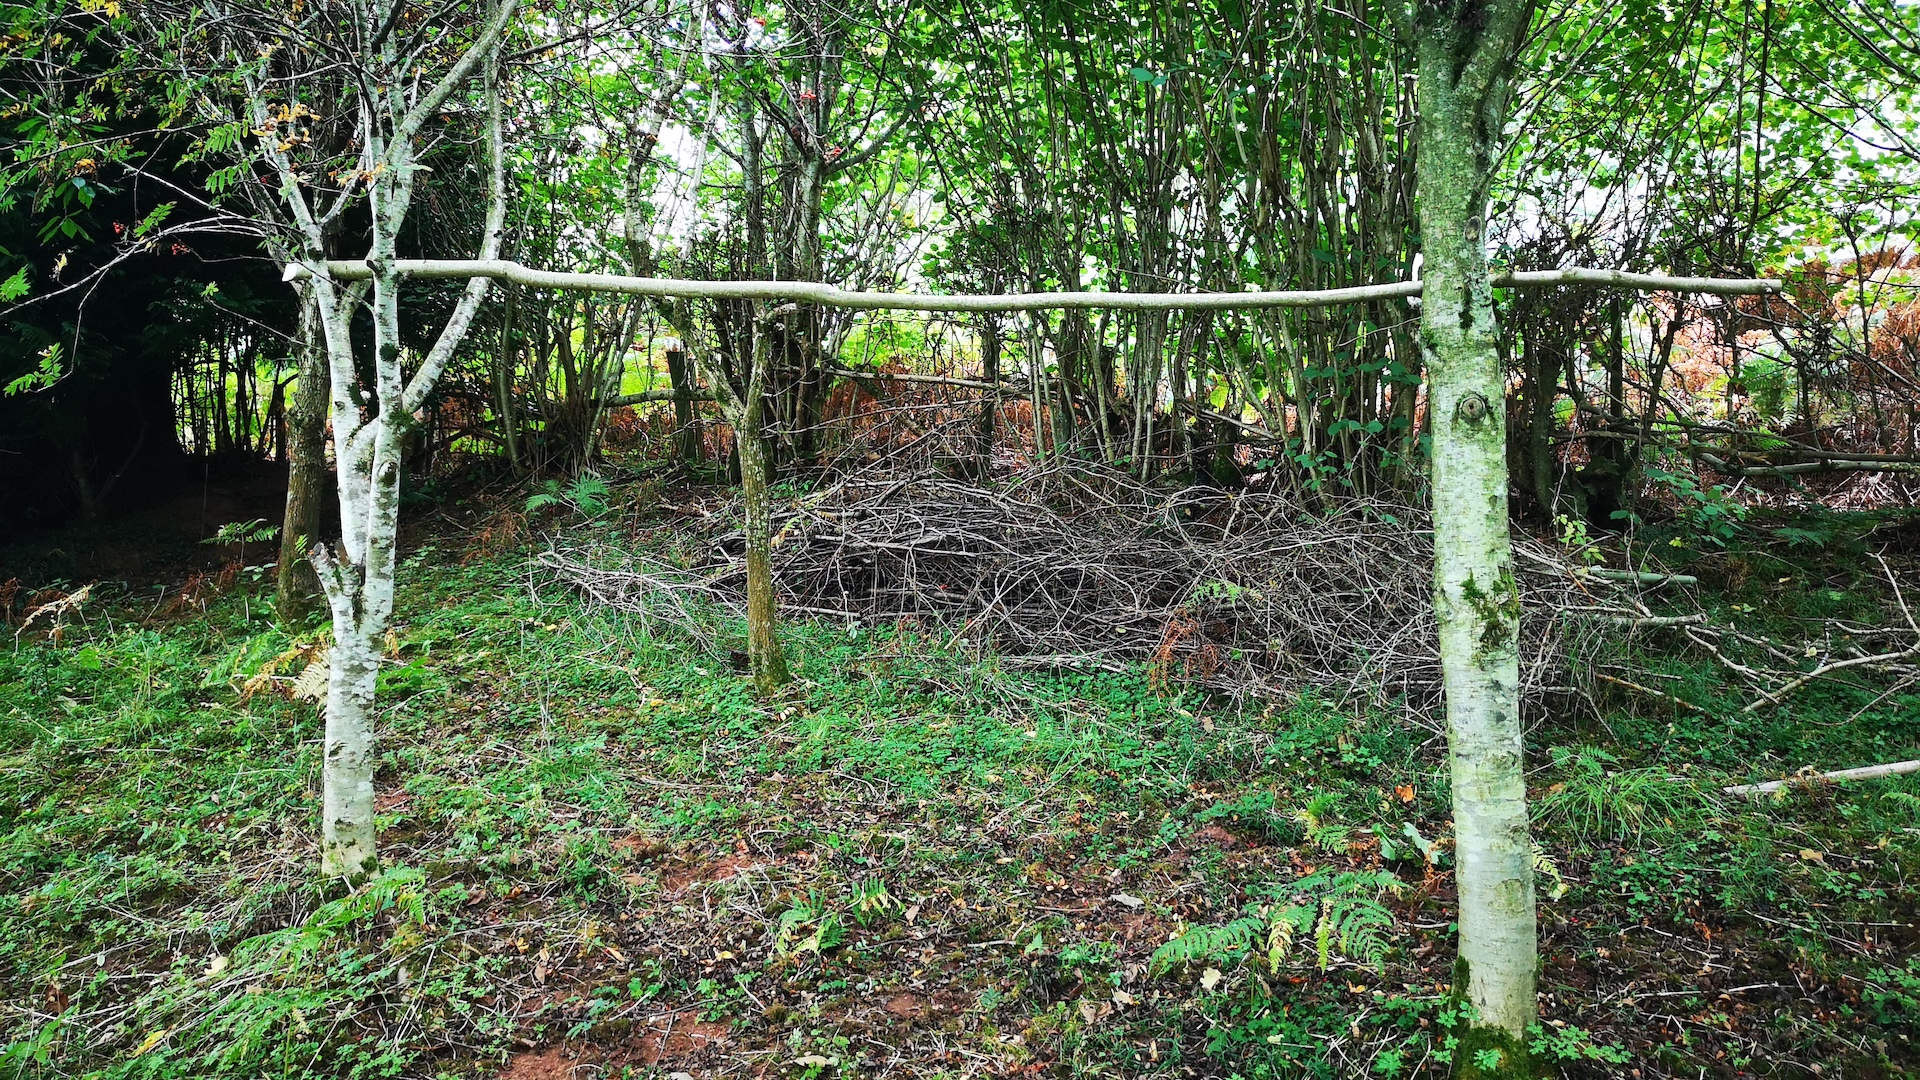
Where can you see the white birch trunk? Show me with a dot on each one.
(347, 848)
(1465, 51)
(370, 423)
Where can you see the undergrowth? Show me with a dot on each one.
(913, 864)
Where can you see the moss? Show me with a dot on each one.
(1497, 608)
(1481, 1052)
(1487, 1053)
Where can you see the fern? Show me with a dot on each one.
(1544, 865)
(807, 927)
(1355, 921)
(1903, 799)
(549, 495)
(1229, 943)
(1343, 911)
(589, 494)
(1321, 832)
(586, 493)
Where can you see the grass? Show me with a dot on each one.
(913, 865)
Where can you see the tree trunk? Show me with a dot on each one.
(1608, 455)
(298, 588)
(1543, 375)
(1465, 52)
(764, 657)
(990, 344)
(358, 575)
(347, 847)
(687, 448)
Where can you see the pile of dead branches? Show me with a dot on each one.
(1075, 566)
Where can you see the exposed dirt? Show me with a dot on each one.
(1213, 834)
(553, 1063)
(666, 1039)
(678, 882)
(637, 846)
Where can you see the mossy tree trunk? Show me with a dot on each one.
(1466, 50)
(297, 589)
(990, 346)
(765, 659)
(743, 401)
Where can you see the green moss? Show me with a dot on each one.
(1486, 1053)
(1482, 1052)
(1498, 608)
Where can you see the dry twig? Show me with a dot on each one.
(1076, 565)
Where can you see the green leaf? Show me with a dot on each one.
(154, 219)
(14, 287)
(46, 374)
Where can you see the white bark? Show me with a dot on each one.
(347, 846)
(1464, 54)
(1865, 772)
(393, 105)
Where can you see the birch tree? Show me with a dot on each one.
(1466, 50)
(400, 76)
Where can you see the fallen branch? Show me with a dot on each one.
(1661, 694)
(1727, 468)
(1005, 386)
(1726, 661)
(1825, 669)
(646, 396)
(1075, 565)
(1776, 696)
(1866, 772)
(1602, 573)
(1636, 577)
(1694, 619)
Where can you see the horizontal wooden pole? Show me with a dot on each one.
(828, 296)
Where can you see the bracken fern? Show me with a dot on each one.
(1343, 911)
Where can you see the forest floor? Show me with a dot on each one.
(607, 858)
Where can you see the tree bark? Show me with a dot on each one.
(687, 446)
(765, 659)
(1466, 50)
(347, 847)
(990, 345)
(1543, 373)
(372, 418)
(877, 300)
(298, 588)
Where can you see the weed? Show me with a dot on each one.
(1596, 800)
(1560, 1042)
(594, 823)
(1706, 513)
